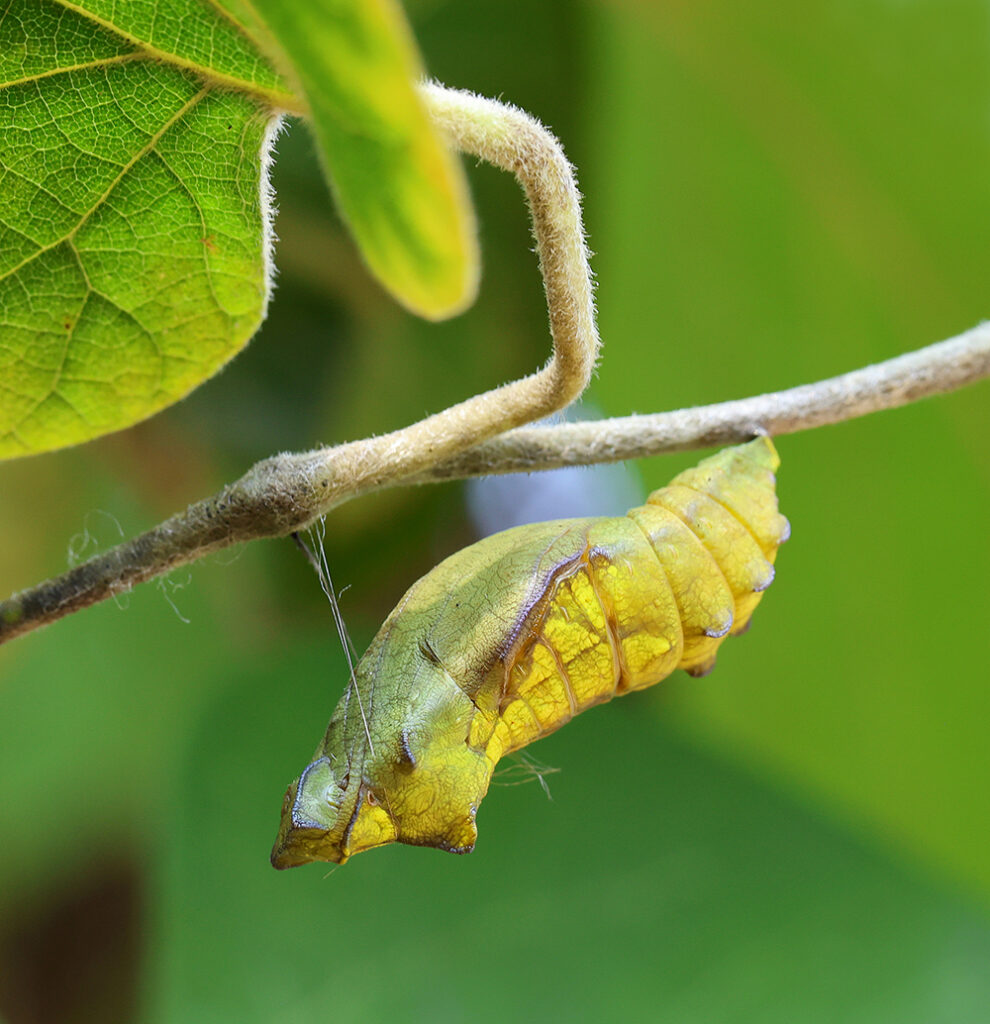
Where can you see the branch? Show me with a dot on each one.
(286, 493)
(933, 370)
(255, 506)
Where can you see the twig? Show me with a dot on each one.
(243, 510)
(286, 493)
(933, 370)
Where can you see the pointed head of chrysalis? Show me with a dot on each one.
(404, 774)
(311, 818)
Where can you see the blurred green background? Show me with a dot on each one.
(775, 195)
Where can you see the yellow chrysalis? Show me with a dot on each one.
(508, 639)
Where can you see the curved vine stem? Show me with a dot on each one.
(286, 493)
(933, 370)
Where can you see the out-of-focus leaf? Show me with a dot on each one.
(134, 206)
(400, 188)
(732, 904)
(810, 188)
(91, 713)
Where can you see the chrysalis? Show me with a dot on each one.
(507, 640)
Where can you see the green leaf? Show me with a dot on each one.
(734, 903)
(133, 256)
(800, 218)
(134, 234)
(400, 189)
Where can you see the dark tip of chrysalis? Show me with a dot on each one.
(697, 671)
(460, 850)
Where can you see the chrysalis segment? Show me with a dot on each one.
(507, 640)
(565, 666)
(742, 479)
(640, 607)
(610, 625)
(705, 602)
(734, 549)
(730, 502)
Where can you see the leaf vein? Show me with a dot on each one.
(274, 97)
(52, 72)
(138, 156)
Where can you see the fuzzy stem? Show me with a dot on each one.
(933, 370)
(242, 511)
(286, 493)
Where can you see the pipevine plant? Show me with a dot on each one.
(136, 260)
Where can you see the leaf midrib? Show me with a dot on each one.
(240, 26)
(276, 98)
